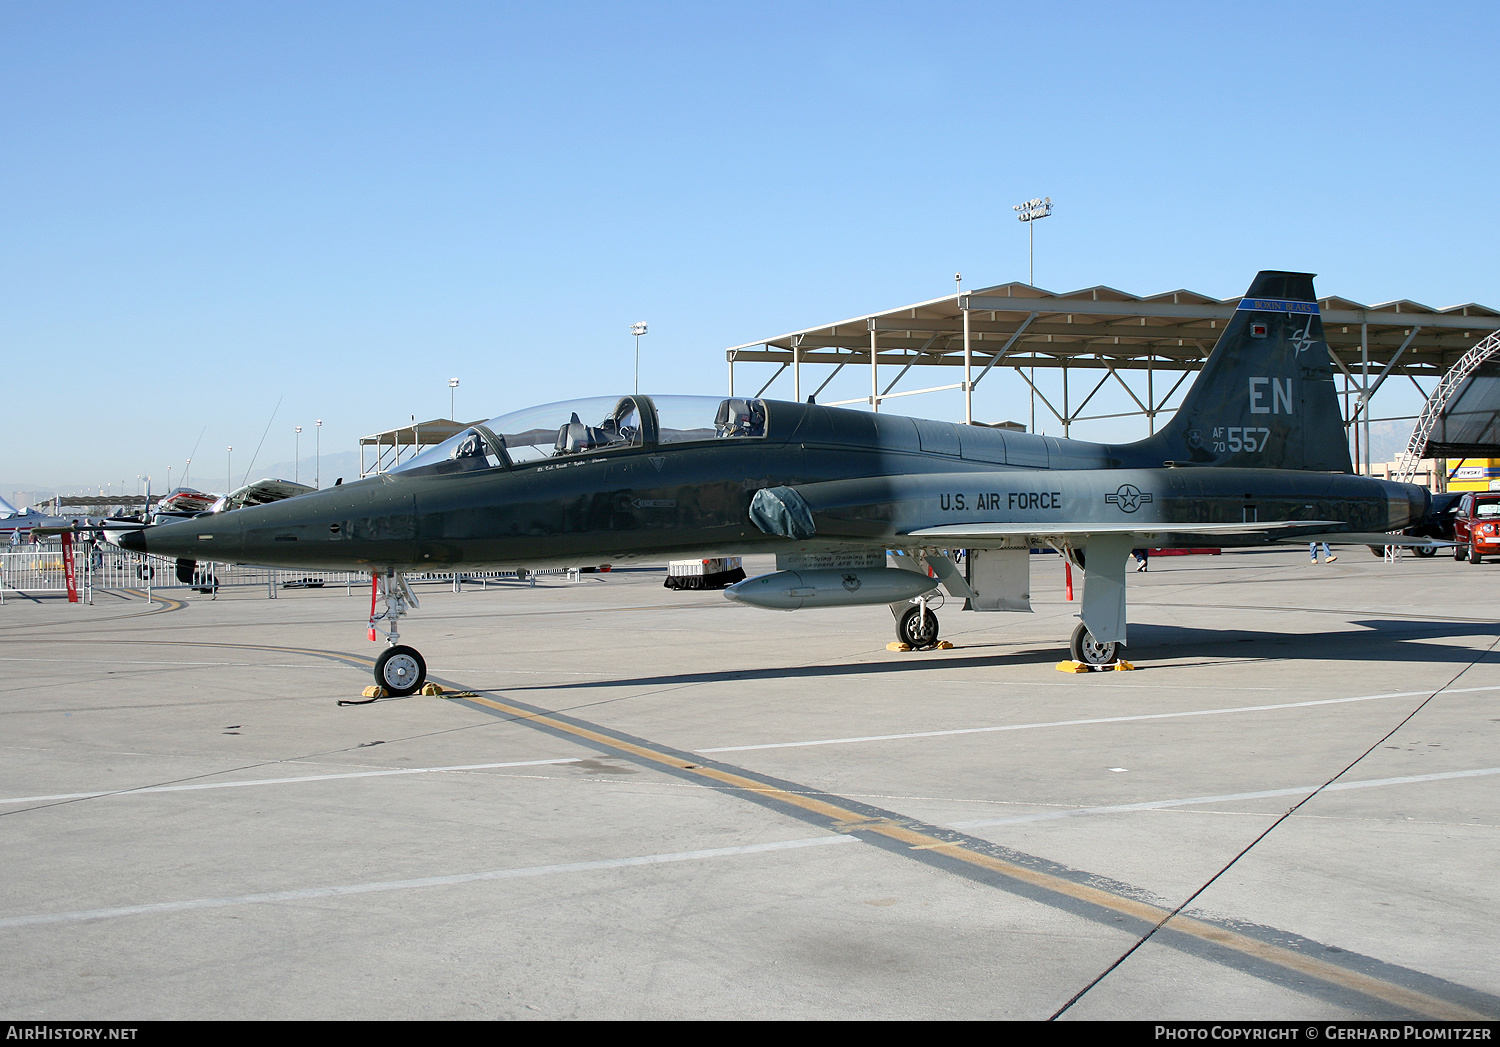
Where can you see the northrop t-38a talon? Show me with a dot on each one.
(1256, 454)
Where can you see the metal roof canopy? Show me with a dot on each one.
(1024, 327)
(409, 437)
(57, 503)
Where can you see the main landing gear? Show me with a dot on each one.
(1089, 651)
(917, 626)
(399, 669)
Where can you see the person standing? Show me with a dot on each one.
(1312, 551)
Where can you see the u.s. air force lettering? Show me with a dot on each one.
(985, 500)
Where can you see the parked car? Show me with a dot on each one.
(1437, 524)
(1476, 526)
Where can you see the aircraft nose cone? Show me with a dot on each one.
(134, 541)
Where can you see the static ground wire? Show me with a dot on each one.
(1247, 848)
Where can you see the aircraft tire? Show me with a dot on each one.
(400, 670)
(916, 629)
(1084, 648)
(1377, 551)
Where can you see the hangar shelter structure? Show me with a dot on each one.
(1148, 347)
(388, 447)
(1463, 414)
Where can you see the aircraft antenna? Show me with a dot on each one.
(193, 455)
(261, 444)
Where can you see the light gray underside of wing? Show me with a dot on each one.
(984, 531)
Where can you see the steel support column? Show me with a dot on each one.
(1066, 413)
(968, 366)
(797, 368)
(1364, 388)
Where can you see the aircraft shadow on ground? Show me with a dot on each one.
(1379, 640)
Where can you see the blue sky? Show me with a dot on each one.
(213, 207)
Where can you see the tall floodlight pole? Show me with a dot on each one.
(452, 398)
(318, 455)
(297, 454)
(1029, 212)
(638, 328)
(229, 468)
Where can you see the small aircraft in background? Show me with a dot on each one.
(19, 525)
(1255, 455)
(183, 502)
(186, 502)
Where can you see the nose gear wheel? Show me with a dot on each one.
(400, 670)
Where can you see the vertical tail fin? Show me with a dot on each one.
(1265, 397)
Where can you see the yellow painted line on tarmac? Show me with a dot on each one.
(314, 652)
(341, 656)
(842, 820)
(168, 604)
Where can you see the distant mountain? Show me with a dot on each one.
(327, 469)
(1388, 439)
(331, 466)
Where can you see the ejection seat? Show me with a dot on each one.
(738, 417)
(573, 437)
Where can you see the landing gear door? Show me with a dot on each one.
(1001, 577)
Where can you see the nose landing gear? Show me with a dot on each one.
(399, 669)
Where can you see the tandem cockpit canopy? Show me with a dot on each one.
(596, 425)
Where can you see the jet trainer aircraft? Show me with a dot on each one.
(17, 525)
(1256, 454)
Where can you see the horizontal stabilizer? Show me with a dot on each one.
(1371, 538)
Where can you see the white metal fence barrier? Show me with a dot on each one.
(29, 569)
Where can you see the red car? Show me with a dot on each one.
(1476, 527)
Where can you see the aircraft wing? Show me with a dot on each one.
(981, 532)
(1128, 503)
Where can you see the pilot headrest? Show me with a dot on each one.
(731, 410)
